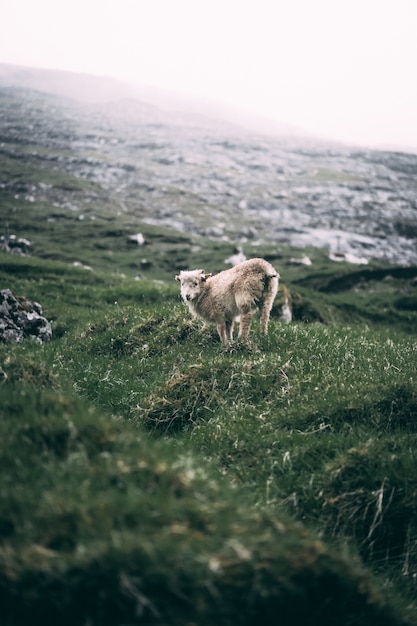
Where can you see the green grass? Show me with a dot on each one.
(102, 525)
(150, 475)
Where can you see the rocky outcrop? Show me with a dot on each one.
(21, 318)
(15, 245)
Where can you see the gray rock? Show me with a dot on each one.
(21, 318)
(14, 245)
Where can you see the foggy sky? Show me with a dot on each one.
(340, 69)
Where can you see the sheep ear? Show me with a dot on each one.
(205, 276)
(178, 278)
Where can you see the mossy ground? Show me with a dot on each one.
(150, 475)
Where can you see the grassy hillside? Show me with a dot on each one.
(151, 476)
(148, 474)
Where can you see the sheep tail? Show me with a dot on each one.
(268, 277)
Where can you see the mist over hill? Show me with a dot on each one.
(152, 104)
(173, 164)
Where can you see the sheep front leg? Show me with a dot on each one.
(222, 330)
(229, 330)
(226, 331)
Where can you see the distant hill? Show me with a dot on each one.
(134, 100)
(184, 169)
(81, 87)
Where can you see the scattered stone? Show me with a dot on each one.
(304, 260)
(214, 231)
(348, 257)
(21, 318)
(138, 239)
(82, 266)
(249, 232)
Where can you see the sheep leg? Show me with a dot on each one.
(245, 322)
(221, 329)
(229, 329)
(265, 313)
(226, 331)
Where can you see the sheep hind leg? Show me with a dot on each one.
(265, 313)
(267, 302)
(229, 329)
(245, 322)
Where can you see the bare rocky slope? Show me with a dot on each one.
(186, 170)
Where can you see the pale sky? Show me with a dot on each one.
(344, 69)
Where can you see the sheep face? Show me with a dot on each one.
(192, 283)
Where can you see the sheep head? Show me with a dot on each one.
(192, 282)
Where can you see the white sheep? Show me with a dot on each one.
(233, 293)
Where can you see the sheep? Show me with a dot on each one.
(232, 293)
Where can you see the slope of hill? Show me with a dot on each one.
(150, 476)
(171, 168)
